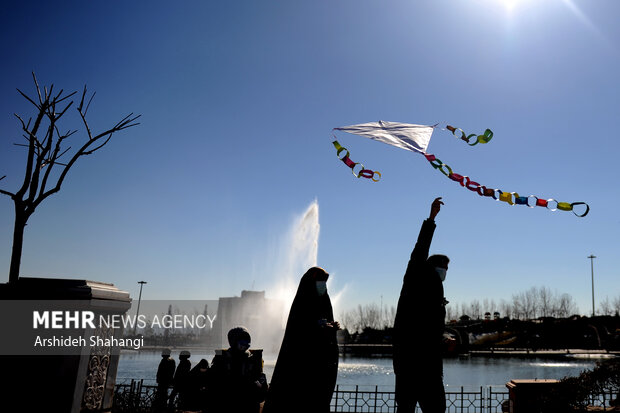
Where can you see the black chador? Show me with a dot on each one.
(305, 373)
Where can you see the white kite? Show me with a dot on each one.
(402, 135)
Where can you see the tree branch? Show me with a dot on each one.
(88, 105)
(53, 158)
(30, 100)
(64, 110)
(31, 150)
(38, 88)
(2, 191)
(90, 151)
(66, 97)
(48, 94)
(126, 122)
(36, 172)
(83, 115)
(42, 162)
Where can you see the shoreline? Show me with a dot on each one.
(586, 354)
(385, 351)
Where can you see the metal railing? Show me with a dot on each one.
(606, 400)
(137, 397)
(133, 397)
(361, 399)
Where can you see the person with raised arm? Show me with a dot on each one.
(419, 326)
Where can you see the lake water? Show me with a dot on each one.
(471, 373)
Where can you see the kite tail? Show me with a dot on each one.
(511, 198)
(484, 138)
(361, 171)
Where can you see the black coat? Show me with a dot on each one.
(307, 367)
(165, 372)
(420, 316)
(181, 375)
(198, 391)
(234, 377)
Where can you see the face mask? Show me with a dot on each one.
(321, 287)
(243, 345)
(442, 273)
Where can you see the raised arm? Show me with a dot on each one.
(423, 244)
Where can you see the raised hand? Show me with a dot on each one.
(435, 207)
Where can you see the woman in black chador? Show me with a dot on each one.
(305, 373)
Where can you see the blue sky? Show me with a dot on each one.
(238, 100)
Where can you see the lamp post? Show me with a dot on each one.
(138, 309)
(592, 257)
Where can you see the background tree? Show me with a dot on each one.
(489, 306)
(609, 307)
(505, 309)
(46, 147)
(605, 307)
(475, 310)
(526, 305)
(616, 305)
(545, 306)
(566, 306)
(368, 316)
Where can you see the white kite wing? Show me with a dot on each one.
(407, 136)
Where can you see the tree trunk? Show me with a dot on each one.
(18, 242)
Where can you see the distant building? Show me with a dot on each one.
(262, 316)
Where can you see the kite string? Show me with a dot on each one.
(511, 198)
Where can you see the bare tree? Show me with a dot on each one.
(616, 305)
(545, 302)
(531, 302)
(347, 319)
(475, 310)
(489, 306)
(368, 316)
(388, 317)
(605, 307)
(517, 306)
(465, 309)
(46, 148)
(566, 306)
(525, 304)
(450, 313)
(505, 308)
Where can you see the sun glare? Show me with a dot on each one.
(511, 5)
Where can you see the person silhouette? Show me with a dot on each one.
(238, 382)
(164, 378)
(419, 326)
(180, 381)
(307, 366)
(198, 387)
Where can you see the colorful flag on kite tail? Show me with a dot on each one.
(416, 138)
